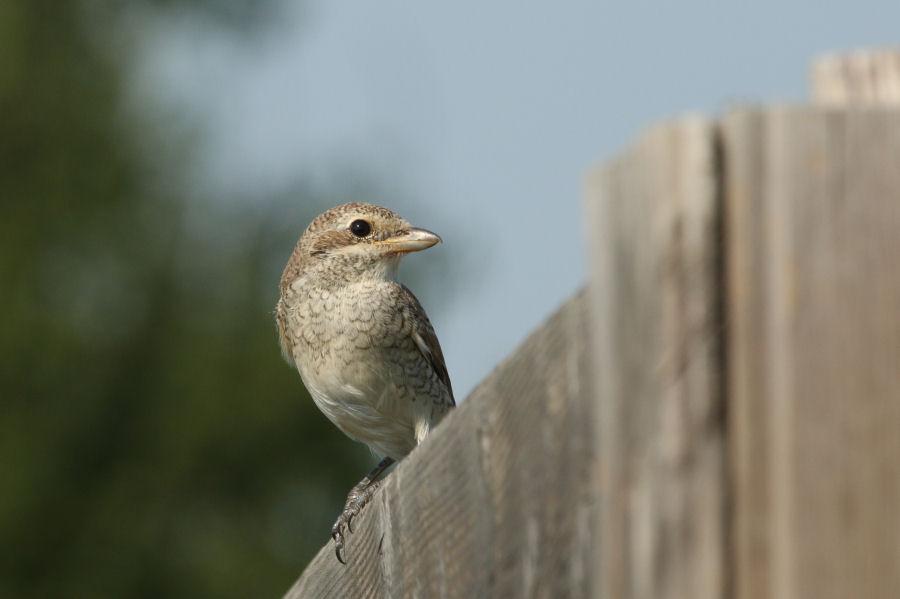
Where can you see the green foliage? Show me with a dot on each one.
(153, 441)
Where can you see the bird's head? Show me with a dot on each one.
(356, 240)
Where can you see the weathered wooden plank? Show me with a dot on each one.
(862, 78)
(749, 443)
(653, 233)
(813, 229)
(497, 502)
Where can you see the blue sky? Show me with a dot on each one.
(484, 117)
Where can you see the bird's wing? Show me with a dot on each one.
(427, 341)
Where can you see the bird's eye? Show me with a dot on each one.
(360, 228)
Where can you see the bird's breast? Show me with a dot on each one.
(349, 337)
(357, 356)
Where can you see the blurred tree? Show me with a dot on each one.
(153, 442)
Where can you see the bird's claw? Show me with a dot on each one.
(357, 499)
(337, 535)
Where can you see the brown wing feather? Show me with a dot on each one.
(429, 345)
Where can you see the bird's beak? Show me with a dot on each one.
(410, 240)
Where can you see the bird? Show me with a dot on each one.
(361, 341)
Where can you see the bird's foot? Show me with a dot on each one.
(357, 499)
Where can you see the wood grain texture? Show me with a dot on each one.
(497, 502)
(812, 206)
(653, 231)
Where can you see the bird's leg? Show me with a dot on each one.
(358, 497)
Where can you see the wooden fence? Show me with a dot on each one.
(717, 414)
